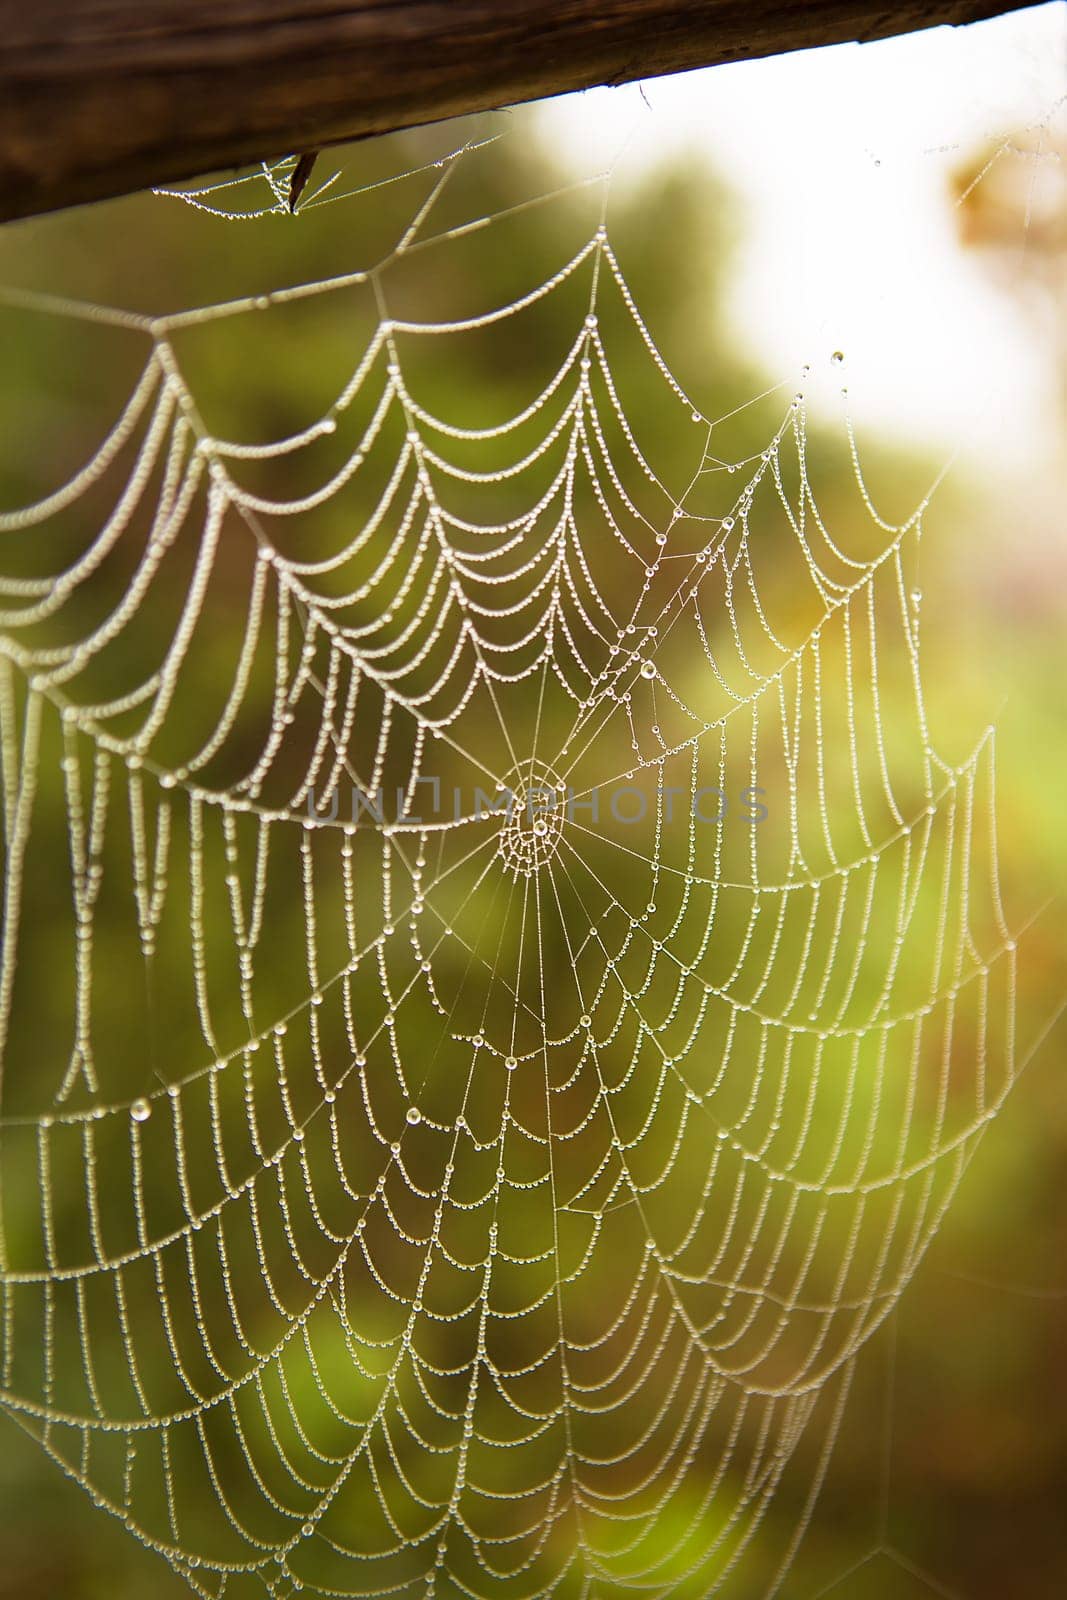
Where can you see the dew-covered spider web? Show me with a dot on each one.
(522, 987)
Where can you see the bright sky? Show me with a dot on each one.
(840, 158)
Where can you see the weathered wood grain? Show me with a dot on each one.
(101, 97)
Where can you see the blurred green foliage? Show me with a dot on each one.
(956, 1435)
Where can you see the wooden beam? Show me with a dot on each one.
(101, 97)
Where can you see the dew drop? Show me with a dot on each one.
(414, 1115)
(837, 357)
(141, 1110)
(585, 1020)
(308, 1529)
(648, 669)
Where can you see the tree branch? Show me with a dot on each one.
(101, 97)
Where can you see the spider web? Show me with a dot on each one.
(573, 986)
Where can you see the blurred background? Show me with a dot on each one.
(902, 206)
